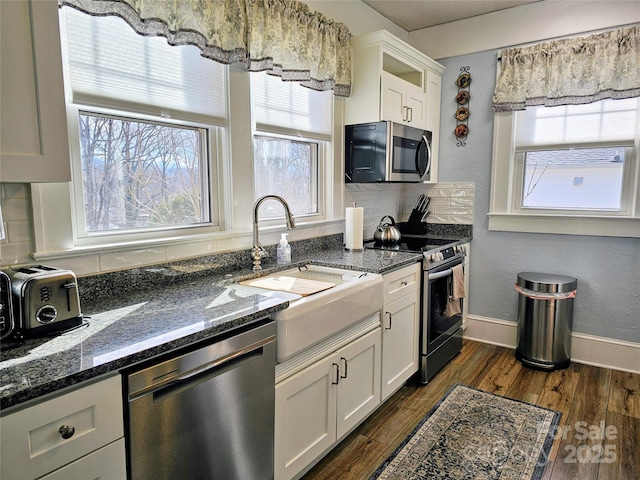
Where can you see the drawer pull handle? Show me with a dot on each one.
(403, 283)
(67, 432)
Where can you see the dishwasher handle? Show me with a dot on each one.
(192, 364)
(207, 372)
(175, 384)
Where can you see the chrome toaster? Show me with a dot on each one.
(6, 308)
(45, 299)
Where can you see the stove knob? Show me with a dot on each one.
(433, 257)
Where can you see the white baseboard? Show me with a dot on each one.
(587, 349)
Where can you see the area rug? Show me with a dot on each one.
(471, 434)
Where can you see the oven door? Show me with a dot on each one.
(437, 324)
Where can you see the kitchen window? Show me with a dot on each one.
(117, 78)
(292, 136)
(569, 169)
(147, 121)
(140, 175)
(290, 168)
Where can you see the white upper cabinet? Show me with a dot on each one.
(33, 126)
(393, 81)
(402, 102)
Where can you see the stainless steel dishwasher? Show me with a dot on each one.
(206, 414)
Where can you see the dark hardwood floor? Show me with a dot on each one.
(599, 434)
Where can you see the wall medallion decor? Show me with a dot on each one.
(462, 99)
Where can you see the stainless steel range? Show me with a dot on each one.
(440, 326)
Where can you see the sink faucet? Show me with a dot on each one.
(257, 252)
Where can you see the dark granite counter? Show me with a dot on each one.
(138, 314)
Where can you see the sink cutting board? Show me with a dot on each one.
(283, 283)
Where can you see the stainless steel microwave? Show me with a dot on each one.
(387, 152)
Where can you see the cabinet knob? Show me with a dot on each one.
(67, 431)
(404, 283)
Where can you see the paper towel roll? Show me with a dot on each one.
(354, 221)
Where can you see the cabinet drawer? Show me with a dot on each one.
(401, 282)
(108, 463)
(32, 442)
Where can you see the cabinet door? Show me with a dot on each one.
(305, 418)
(400, 342)
(416, 103)
(33, 127)
(359, 386)
(108, 463)
(392, 102)
(402, 101)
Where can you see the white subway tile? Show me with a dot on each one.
(131, 258)
(19, 231)
(15, 254)
(235, 243)
(84, 265)
(192, 249)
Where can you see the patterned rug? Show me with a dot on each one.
(471, 434)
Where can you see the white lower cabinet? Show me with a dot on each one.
(318, 405)
(400, 328)
(75, 435)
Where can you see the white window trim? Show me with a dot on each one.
(214, 140)
(53, 216)
(504, 217)
(325, 171)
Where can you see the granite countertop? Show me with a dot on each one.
(139, 314)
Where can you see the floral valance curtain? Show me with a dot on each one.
(570, 71)
(282, 37)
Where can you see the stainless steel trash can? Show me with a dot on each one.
(545, 318)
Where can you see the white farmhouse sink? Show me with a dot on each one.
(310, 319)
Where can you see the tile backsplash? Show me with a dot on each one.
(16, 248)
(451, 203)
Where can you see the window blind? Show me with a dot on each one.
(289, 108)
(606, 121)
(111, 65)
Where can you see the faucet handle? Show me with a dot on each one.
(257, 254)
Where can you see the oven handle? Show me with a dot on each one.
(445, 273)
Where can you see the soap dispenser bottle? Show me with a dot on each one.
(283, 254)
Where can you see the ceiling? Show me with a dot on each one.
(416, 14)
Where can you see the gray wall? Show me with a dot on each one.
(607, 268)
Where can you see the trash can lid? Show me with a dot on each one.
(547, 282)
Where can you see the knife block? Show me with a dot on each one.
(412, 228)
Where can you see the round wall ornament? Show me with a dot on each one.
(462, 113)
(464, 79)
(463, 97)
(461, 130)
